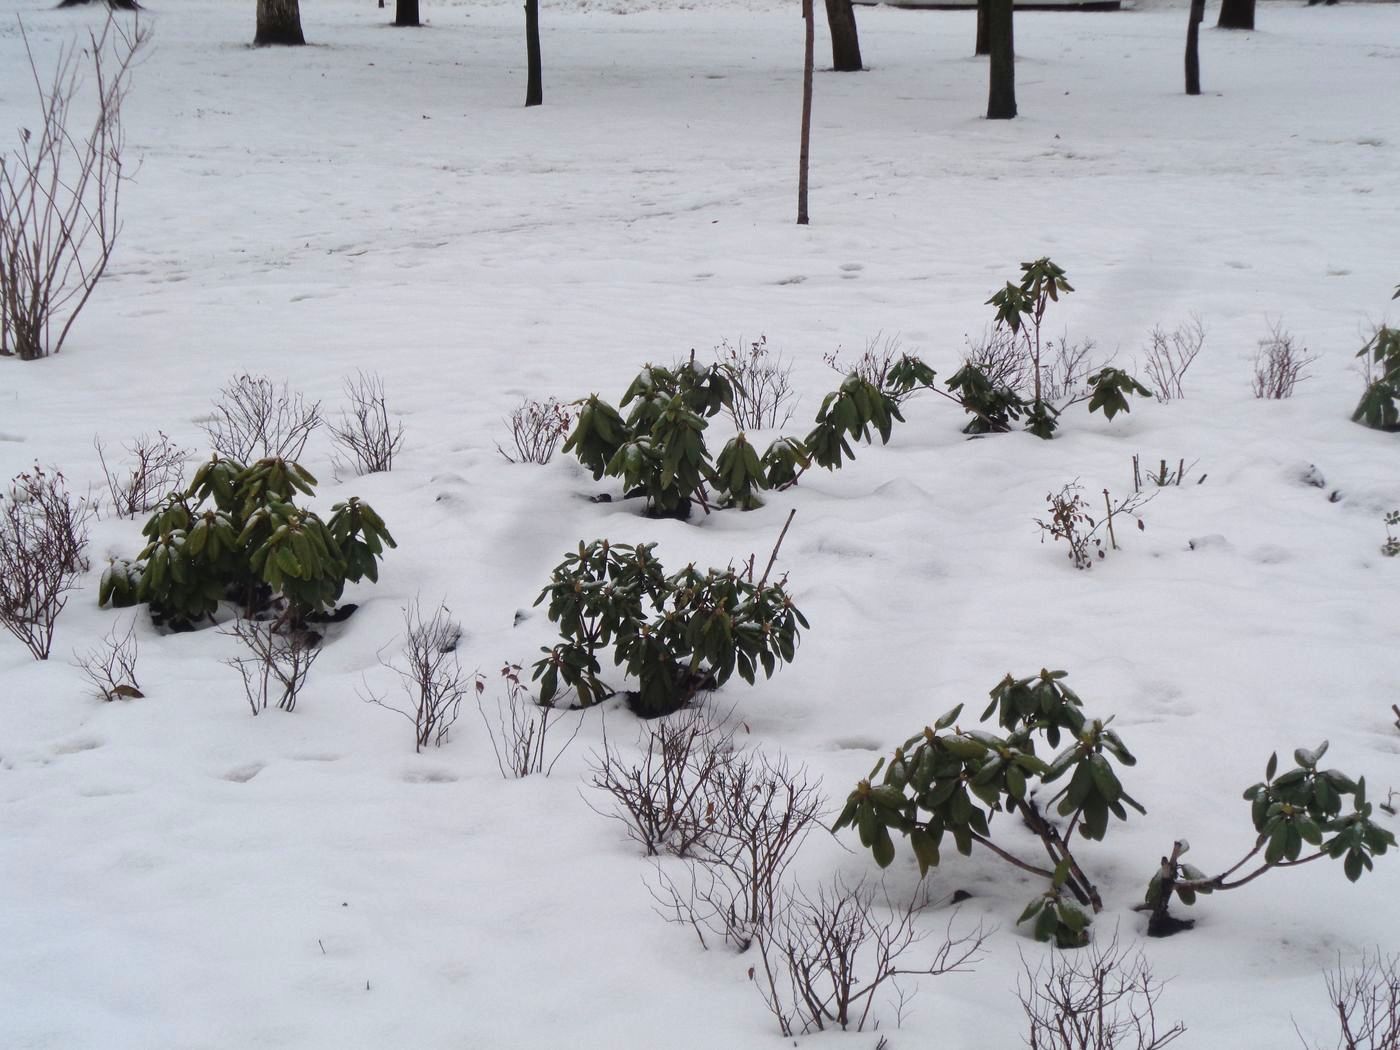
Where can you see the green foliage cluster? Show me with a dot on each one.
(943, 782)
(658, 450)
(236, 534)
(1020, 311)
(954, 782)
(1379, 407)
(675, 634)
(1391, 547)
(1298, 808)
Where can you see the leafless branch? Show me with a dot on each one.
(521, 730)
(255, 418)
(433, 681)
(157, 467)
(112, 666)
(60, 191)
(43, 539)
(365, 435)
(278, 664)
(536, 428)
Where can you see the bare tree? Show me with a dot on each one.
(828, 954)
(255, 418)
(157, 467)
(365, 435)
(111, 668)
(277, 665)
(434, 684)
(43, 537)
(60, 192)
(534, 86)
(1096, 998)
(406, 13)
(845, 38)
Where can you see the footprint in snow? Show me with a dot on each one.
(429, 776)
(78, 744)
(243, 774)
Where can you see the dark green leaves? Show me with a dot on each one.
(1379, 407)
(674, 634)
(1110, 390)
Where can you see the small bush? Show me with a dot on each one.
(1103, 998)
(758, 811)
(762, 385)
(536, 428)
(255, 418)
(60, 192)
(829, 953)
(1070, 520)
(277, 665)
(235, 534)
(1391, 547)
(368, 441)
(674, 634)
(433, 682)
(520, 735)
(1366, 1001)
(936, 783)
(157, 466)
(111, 668)
(43, 540)
(665, 797)
(1379, 407)
(1298, 808)
(1279, 365)
(1170, 354)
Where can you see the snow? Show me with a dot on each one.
(177, 873)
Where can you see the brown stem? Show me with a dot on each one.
(774, 556)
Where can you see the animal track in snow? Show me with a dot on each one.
(78, 744)
(243, 774)
(429, 776)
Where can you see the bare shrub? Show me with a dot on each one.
(433, 681)
(827, 955)
(255, 418)
(1071, 521)
(880, 355)
(111, 667)
(43, 539)
(277, 665)
(367, 439)
(998, 356)
(1095, 998)
(520, 734)
(60, 191)
(665, 796)
(1065, 366)
(1279, 365)
(1165, 474)
(536, 428)
(762, 382)
(1366, 1001)
(759, 813)
(1065, 369)
(157, 465)
(1170, 354)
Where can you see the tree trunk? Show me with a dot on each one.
(534, 90)
(1193, 54)
(845, 40)
(1236, 14)
(279, 22)
(981, 47)
(406, 13)
(1001, 97)
(808, 60)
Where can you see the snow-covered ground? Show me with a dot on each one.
(177, 874)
